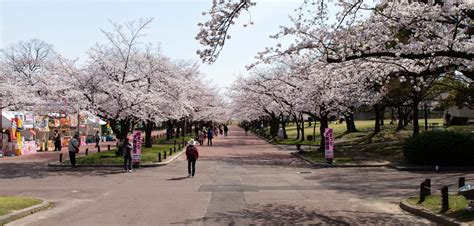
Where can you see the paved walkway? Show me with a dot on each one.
(240, 180)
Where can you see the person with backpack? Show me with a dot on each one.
(192, 155)
(73, 148)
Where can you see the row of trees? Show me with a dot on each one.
(394, 54)
(124, 81)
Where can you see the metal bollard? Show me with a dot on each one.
(171, 153)
(108, 147)
(98, 149)
(164, 155)
(444, 199)
(461, 182)
(159, 156)
(87, 151)
(174, 149)
(422, 192)
(60, 157)
(428, 185)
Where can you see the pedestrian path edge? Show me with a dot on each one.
(17, 214)
(438, 218)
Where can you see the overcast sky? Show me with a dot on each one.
(73, 26)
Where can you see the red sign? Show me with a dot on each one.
(329, 143)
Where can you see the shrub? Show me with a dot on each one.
(440, 148)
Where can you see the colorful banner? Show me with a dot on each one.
(29, 121)
(329, 143)
(29, 147)
(137, 147)
(41, 122)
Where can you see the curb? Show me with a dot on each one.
(339, 165)
(144, 165)
(432, 168)
(438, 218)
(17, 214)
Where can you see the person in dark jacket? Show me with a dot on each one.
(209, 137)
(127, 155)
(57, 141)
(192, 155)
(97, 139)
(226, 130)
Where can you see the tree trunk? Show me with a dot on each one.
(401, 118)
(416, 125)
(377, 118)
(283, 126)
(121, 129)
(297, 128)
(382, 116)
(350, 124)
(148, 129)
(426, 118)
(302, 127)
(183, 128)
(322, 129)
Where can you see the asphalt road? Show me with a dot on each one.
(240, 180)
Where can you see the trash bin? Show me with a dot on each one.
(468, 192)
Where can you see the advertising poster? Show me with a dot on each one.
(329, 142)
(137, 147)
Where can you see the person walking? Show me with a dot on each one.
(97, 139)
(201, 137)
(209, 137)
(73, 148)
(192, 155)
(127, 148)
(226, 130)
(57, 141)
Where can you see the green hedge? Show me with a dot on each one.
(440, 148)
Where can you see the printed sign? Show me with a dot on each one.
(137, 147)
(329, 143)
(29, 147)
(29, 121)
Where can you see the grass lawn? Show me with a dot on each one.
(364, 145)
(149, 155)
(11, 203)
(365, 128)
(457, 205)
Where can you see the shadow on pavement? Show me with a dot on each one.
(276, 214)
(177, 178)
(265, 159)
(41, 170)
(383, 182)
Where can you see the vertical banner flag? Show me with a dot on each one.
(329, 143)
(137, 147)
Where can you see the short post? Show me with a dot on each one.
(174, 149)
(164, 157)
(179, 147)
(159, 156)
(444, 199)
(87, 151)
(428, 186)
(60, 157)
(171, 153)
(108, 147)
(422, 192)
(461, 182)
